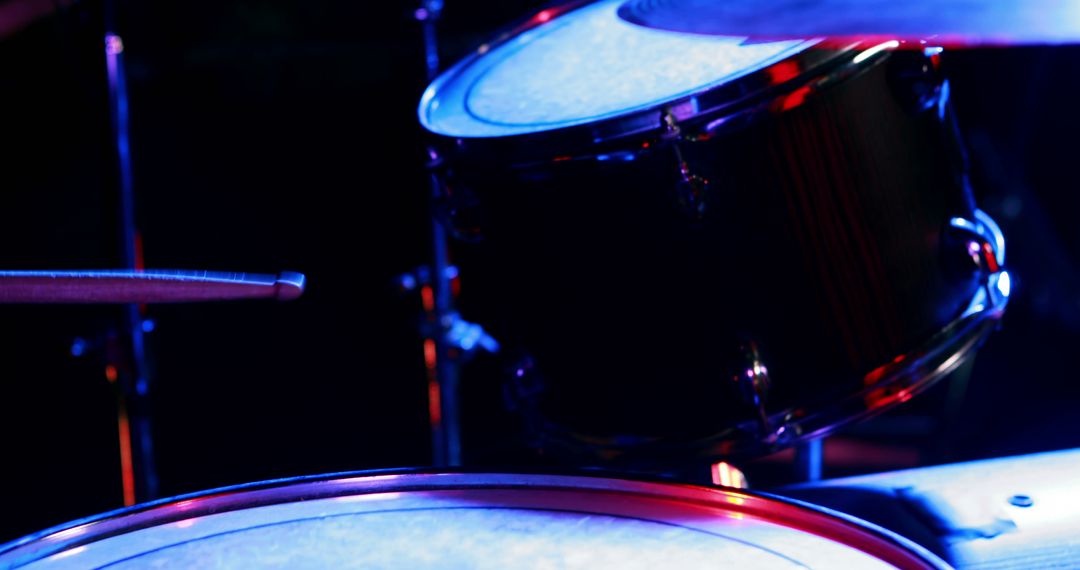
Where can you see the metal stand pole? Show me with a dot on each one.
(132, 372)
(442, 369)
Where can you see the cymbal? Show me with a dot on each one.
(148, 286)
(956, 23)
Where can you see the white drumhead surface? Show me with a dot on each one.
(584, 66)
(475, 528)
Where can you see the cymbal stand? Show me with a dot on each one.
(127, 367)
(447, 338)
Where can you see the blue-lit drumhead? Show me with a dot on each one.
(581, 67)
(565, 525)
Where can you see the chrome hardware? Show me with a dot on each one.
(691, 188)
(752, 379)
(916, 79)
(986, 246)
(467, 337)
(456, 332)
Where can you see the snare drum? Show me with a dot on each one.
(705, 246)
(453, 520)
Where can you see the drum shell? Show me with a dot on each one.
(823, 241)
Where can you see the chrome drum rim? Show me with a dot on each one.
(722, 502)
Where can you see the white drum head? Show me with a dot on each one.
(583, 66)
(468, 521)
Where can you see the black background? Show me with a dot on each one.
(282, 135)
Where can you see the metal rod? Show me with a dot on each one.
(135, 379)
(443, 370)
(428, 14)
(448, 452)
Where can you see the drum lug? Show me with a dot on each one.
(753, 384)
(986, 247)
(916, 79)
(522, 390)
(691, 188)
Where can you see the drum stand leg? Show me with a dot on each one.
(129, 365)
(808, 460)
(449, 341)
(442, 368)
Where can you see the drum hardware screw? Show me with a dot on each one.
(1022, 501)
(691, 187)
(753, 383)
(671, 126)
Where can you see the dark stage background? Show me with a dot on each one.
(282, 135)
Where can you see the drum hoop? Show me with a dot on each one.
(805, 517)
(886, 386)
(822, 63)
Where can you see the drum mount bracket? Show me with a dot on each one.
(691, 187)
(753, 382)
(465, 337)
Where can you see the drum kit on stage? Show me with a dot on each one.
(706, 231)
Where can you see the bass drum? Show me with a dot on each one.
(704, 247)
(453, 520)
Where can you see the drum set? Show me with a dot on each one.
(702, 233)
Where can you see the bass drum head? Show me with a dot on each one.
(453, 520)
